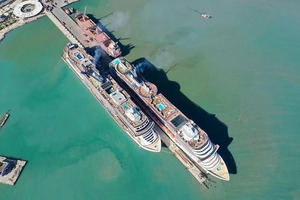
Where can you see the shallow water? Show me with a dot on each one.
(241, 66)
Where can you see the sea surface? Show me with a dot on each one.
(237, 75)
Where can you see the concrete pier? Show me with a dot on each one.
(65, 23)
(63, 29)
(10, 170)
(187, 163)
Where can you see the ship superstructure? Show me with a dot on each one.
(116, 100)
(95, 34)
(182, 130)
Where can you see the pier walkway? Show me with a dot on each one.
(187, 163)
(66, 24)
(63, 29)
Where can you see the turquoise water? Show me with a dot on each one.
(241, 66)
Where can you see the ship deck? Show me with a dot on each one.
(160, 104)
(93, 29)
(79, 56)
(128, 102)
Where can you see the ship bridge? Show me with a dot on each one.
(132, 113)
(118, 97)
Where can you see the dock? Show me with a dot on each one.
(200, 176)
(63, 29)
(10, 170)
(66, 24)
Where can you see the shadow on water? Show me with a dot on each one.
(101, 60)
(216, 130)
(124, 48)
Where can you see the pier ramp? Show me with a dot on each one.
(200, 176)
(63, 29)
(68, 26)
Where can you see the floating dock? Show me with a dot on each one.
(66, 24)
(10, 170)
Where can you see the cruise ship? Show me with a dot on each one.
(181, 130)
(94, 34)
(117, 101)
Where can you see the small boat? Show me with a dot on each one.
(206, 16)
(4, 119)
(69, 11)
(202, 14)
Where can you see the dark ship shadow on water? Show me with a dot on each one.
(124, 48)
(216, 130)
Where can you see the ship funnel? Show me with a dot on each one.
(84, 13)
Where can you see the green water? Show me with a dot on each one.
(242, 66)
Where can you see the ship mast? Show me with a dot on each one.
(84, 13)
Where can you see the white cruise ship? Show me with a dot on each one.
(117, 101)
(183, 131)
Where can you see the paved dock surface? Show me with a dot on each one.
(66, 24)
(13, 174)
(183, 158)
(70, 25)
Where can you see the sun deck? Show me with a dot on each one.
(159, 103)
(126, 71)
(199, 142)
(164, 107)
(124, 104)
(78, 56)
(122, 65)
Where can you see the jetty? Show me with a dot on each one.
(67, 26)
(10, 170)
(200, 176)
(65, 23)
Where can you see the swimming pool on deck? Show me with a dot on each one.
(161, 106)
